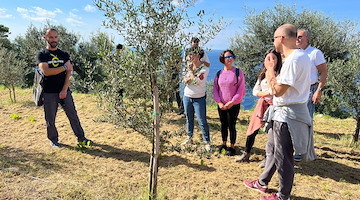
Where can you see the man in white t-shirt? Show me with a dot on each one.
(318, 65)
(289, 118)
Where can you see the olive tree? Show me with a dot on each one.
(11, 70)
(87, 58)
(344, 77)
(156, 30)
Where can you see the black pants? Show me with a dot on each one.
(250, 139)
(228, 122)
(179, 99)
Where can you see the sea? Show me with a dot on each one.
(249, 100)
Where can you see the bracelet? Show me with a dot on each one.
(65, 67)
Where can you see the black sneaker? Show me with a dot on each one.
(223, 147)
(230, 151)
(55, 144)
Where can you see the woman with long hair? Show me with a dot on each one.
(260, 90)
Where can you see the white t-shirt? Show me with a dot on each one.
(261, 86)
(316, 58)
(295, 72)
(205, 58)
(197, 89)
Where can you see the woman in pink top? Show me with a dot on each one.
(228, 92)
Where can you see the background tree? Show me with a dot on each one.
(329, 36)
(155, 30)
(333, 38)
(88, 57)
(11, 70)
(4, 33)
(344, 78)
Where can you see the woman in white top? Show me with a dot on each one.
(195, 96)
(260, 90)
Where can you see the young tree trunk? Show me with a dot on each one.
(13, 89)
(357, 129)
(156, 147)
(11, 99)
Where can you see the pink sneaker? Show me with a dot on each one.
(254, 185)
(273, 196)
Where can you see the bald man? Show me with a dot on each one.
(288, 118)
(56, 66)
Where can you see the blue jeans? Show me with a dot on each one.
(196, 106)
(311, 105)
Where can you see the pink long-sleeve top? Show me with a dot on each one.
(226, 89)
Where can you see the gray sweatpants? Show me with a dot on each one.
(279, 156)
(51, 101)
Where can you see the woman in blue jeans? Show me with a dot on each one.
(195, 96)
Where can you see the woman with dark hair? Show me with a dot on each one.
(260, 90)
(228, 92)
(195, 96)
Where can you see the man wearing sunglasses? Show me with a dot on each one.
(318, 65)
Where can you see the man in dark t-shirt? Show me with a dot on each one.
(56, 66)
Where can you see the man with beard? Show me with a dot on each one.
(56, 66)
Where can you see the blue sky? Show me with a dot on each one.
(81, 16)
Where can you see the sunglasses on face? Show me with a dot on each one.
(229, 57)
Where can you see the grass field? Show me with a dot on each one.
(116, 167)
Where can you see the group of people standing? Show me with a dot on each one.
(286, 106)
(288, 86)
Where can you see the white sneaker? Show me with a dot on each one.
(207, 147)
(188, 141)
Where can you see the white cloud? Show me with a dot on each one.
(89, 8)
(74, 20)
(3, 13)
(38, 14)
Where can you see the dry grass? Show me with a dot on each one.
(116, 167)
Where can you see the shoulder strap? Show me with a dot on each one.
(218, 75)
(237, 72)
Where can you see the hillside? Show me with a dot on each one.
(116, 167)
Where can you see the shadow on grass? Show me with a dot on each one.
(19, 161)
(335, 136)
(106, 151)
(303, 198)
(329, 169)
(353, 156)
